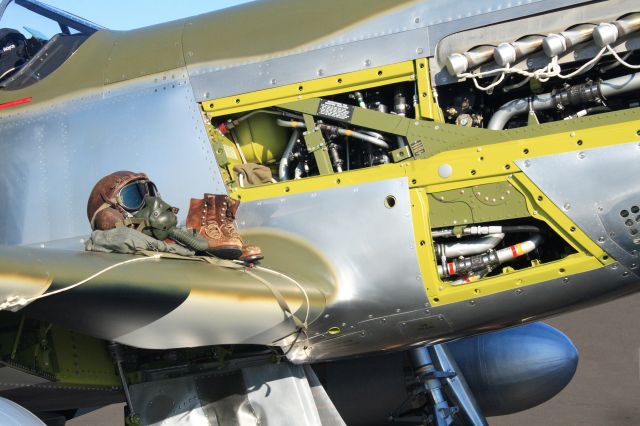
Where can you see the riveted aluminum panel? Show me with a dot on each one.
(401, 34)
(535, 302)
(52, 155)
(370, 246)
(594, 188)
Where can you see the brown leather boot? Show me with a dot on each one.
(195, 217)
(209, 218)
(250, 252)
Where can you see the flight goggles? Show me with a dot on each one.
(131, 196)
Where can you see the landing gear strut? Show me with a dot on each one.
(444, 394)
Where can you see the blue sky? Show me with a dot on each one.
(128, 14)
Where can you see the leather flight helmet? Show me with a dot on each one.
(116, 196)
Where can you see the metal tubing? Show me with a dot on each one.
(363, 137)
(607, 88)
(237, 144)
(468, 248)
(423, 365)
(283, 169)
(556, 44)
(620, 85)
(117, 357)
(628, 24)
(491, 259)
(510, 253)
(509, 53)
(339, 130)
(484, 230)
(292, 124)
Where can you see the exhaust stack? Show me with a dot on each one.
(508, 53)
(608, 33)
(458, 63)
(556, 44)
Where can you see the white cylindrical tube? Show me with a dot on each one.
(605, 34)
(467, 248)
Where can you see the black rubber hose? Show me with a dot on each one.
(189, 239)
(521, 228)
(598, 110)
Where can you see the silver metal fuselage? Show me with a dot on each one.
(53, 152)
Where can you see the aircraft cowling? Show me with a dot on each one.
(516, 369)
(507, 371)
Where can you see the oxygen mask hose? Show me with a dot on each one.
(160, 223)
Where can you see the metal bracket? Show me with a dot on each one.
(317, 146)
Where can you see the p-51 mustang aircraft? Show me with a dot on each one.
(441, 173)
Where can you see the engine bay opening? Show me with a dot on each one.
(294, 145)
(467, 254)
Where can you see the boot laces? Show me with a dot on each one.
(213, 231)
(231, 230)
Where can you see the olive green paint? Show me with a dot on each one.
(246, 31)
(401, 154)
(317, 145)
(439, 137)
(477, 204)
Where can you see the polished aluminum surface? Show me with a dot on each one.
(608, 210)
(367, 243)
(52, 155)
(405, 33)
(537, 301)
(513, 307)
